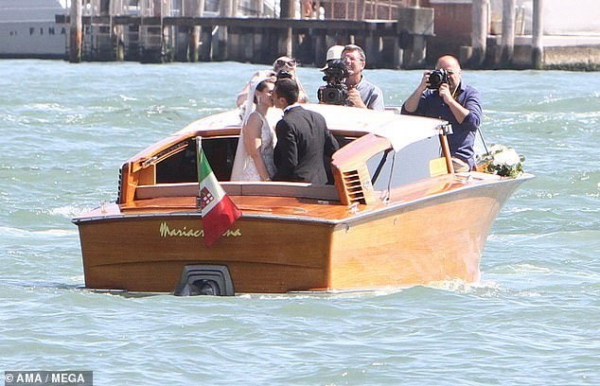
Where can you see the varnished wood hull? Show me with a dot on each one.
(437, 237)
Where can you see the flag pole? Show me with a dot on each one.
(217, 210)
(199, 155)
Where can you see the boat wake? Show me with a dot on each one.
(485, 288)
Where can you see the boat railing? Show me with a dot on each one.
(239, 188)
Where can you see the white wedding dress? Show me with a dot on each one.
(244, 168)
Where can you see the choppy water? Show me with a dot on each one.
(533, 319)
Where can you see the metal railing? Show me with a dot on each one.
(320, 9)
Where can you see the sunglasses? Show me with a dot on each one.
(287, 63)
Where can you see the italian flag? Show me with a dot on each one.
(217, 210)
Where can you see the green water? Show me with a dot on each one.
(533, 319)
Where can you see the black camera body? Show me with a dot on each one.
(437, 78)
(283, 74)
(335, 92)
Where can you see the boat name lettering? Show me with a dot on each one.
(165, 231)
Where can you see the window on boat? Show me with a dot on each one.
(180, 166)
(178, 163)
(413, 163)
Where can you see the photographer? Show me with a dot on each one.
(360, 92)
(283, 64)
(442, 94)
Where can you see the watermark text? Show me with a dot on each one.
(49, 378)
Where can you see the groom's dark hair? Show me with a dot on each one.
(287, 88)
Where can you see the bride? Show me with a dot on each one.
(254, 154)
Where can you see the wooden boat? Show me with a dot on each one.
(396, 215)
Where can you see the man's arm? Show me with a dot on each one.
(468, 115)
(355, 99)
(459, 112)
(366, 96)
(412, 102)
(473, 104)
(331, 144)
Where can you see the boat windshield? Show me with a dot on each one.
(389, 169)
(181, 166)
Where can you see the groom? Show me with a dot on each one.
(303, 140)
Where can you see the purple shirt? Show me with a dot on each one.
(462, 139)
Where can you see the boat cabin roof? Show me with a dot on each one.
(400, 130)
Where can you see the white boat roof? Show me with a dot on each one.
(400, 130)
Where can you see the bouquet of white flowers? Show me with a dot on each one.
(503, 161)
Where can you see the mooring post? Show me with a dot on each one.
(117, 38)
(479, 34)
(194, 10)
(221, 34)
(509, 13)
(320, 48)
(75, 32)
(206, 43)
(537, 45)
(288, 11)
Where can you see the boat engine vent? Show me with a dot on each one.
(212, 280)
(354, 187)
(350, 172)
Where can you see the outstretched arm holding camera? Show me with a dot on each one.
(412, 103)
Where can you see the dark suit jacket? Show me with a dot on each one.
(303, 144)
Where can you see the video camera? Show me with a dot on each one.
(437, 78)
(335, 92)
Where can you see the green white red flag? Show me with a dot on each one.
(217, 210)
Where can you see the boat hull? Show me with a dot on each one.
(431, 240)
(435, 238)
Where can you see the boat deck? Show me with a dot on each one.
(302, 201)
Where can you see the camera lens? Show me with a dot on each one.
(436, 78)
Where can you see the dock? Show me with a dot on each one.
(395, 34)
(255, 40)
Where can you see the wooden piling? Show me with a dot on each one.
(193, 9)
(321, 48)
(221, 34)
(75, 32)
(537, 46)
(508, 32)
(206, 43)
(288, 11)
(479, 34)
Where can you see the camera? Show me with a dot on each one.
(437, 78)
(335, 92)
(283, 74)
